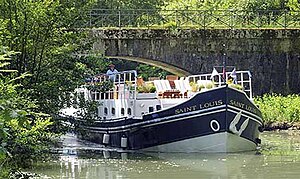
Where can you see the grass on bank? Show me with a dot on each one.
(277, 108)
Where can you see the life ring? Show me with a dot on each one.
(217, 128)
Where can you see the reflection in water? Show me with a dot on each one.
(278, 158)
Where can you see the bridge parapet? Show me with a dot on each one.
(200, 19)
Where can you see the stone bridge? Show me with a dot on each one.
(272, 55)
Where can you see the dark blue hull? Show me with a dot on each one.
(221, 114)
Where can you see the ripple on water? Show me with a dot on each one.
(278, 157)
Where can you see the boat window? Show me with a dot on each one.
(93, 96)
(97, 96)
(122, 111)
(105, 111)
(158, 107)
(129, 111)
(113, 111)
(151, 108)
(97, 112)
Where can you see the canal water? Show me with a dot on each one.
(278, 157)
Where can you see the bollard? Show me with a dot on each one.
(105, 139)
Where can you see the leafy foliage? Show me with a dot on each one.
(278, 108)
(213, 13)
(88, 108)
(24, 132)
(129, 4)
(236, 86)
(146, 88)
(147, 71)
(103, 86)
(101, 65)
(44, 34)
(233, 4)
(27, 142)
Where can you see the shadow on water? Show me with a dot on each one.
(278, 158)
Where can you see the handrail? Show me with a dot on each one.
(122, 72)
(243, 78)
(203, 19)
(120, 86)
(118, 79)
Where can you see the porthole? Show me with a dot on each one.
(97, 112)
(158, 107)
(129, 111)
(113, 111)
(151, 108)
(214, 125)
(105, 111)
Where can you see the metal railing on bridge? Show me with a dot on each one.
(201, 19)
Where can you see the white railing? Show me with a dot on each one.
(242, 78)
(123, 86)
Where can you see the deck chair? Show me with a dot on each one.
(187, 85)
(158, 85)
(166, 85)
(163, 89)
(183, 86)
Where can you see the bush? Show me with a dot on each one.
(236, 86)
(278, 108)
(103, 86)
(194, 86)
(24, 131)
(146, 88)
(27, 142)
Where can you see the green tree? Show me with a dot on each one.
(147, 71)
(24, 132)
(129, 4)
(45, 34)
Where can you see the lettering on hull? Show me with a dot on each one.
(199, 107)
(243, 106)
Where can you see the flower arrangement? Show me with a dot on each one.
(194, 86)
(146, 88)
(236, 86)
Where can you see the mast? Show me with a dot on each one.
(224, 64)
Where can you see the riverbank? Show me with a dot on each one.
(279, 112)
(281, 126)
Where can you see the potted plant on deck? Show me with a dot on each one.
(146, 90)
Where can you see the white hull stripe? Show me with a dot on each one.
(168, 117)
(253, 119)
(169, 121)
(176, 118)
(187, 117)
(155, 122)
(247, 112)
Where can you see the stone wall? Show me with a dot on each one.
(272, 55)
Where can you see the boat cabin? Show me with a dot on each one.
(125, 95)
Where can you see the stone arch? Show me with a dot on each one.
(168, 67)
